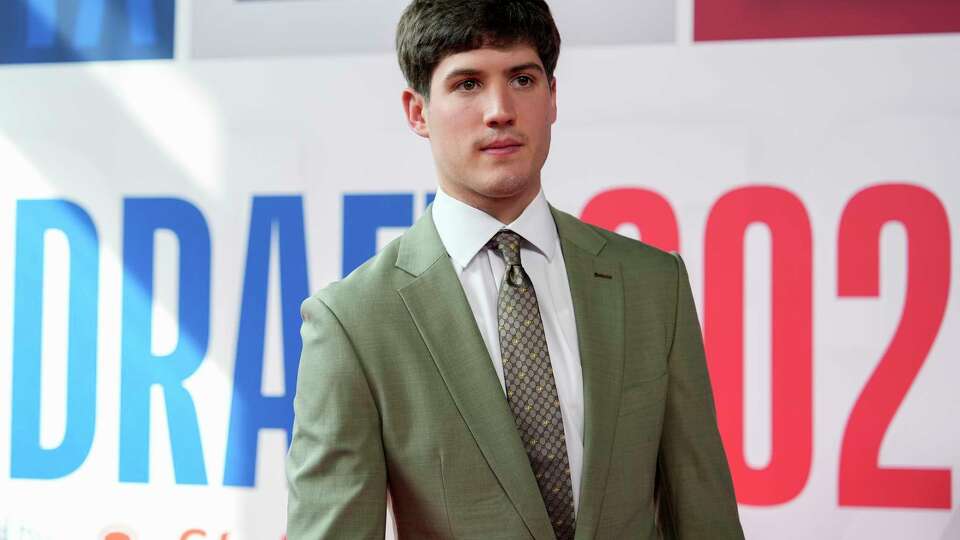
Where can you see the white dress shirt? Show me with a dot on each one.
(464, 231)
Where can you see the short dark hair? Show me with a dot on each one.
(431, 30)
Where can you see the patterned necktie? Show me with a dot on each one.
(531, 391)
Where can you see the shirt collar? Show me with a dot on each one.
(465, 230)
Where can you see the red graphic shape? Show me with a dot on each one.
(772, 19)
(647, 210)
(785, 476)
(862, 481)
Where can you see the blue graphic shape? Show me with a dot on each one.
(363, 215)
(41, 31)
(280, 219)
(41, 25)
(34, 218)
(141, 370)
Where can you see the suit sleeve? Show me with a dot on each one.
(694, 489)
(336, 472)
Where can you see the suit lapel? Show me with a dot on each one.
(596, 287)
(440, 310)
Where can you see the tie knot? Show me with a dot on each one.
(507, 243)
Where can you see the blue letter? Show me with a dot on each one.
(251, 411)
(89, 28)
(41, 22)
(89, 23)
(363, 215)
(27, 458)
(140, 369)
(143, 26)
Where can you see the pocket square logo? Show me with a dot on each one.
(40, 31)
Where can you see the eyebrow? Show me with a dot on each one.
(469, 72)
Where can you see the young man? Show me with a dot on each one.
(503, 369)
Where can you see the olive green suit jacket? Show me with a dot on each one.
(397, 391)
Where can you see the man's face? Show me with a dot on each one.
(488, 120)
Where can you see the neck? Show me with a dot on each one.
(506, 210)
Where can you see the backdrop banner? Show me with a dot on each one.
(161, 218)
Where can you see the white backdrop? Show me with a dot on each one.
(819, 119)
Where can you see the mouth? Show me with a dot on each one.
(502, 147)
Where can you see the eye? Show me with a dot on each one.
(469, 85)
(524, 80)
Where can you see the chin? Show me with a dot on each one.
(506, 186)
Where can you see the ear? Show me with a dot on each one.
(553, 100)
(415, 109)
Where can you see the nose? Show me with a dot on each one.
(500, 109)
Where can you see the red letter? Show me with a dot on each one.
(791, 386)
(862, 482)
(647, 210)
